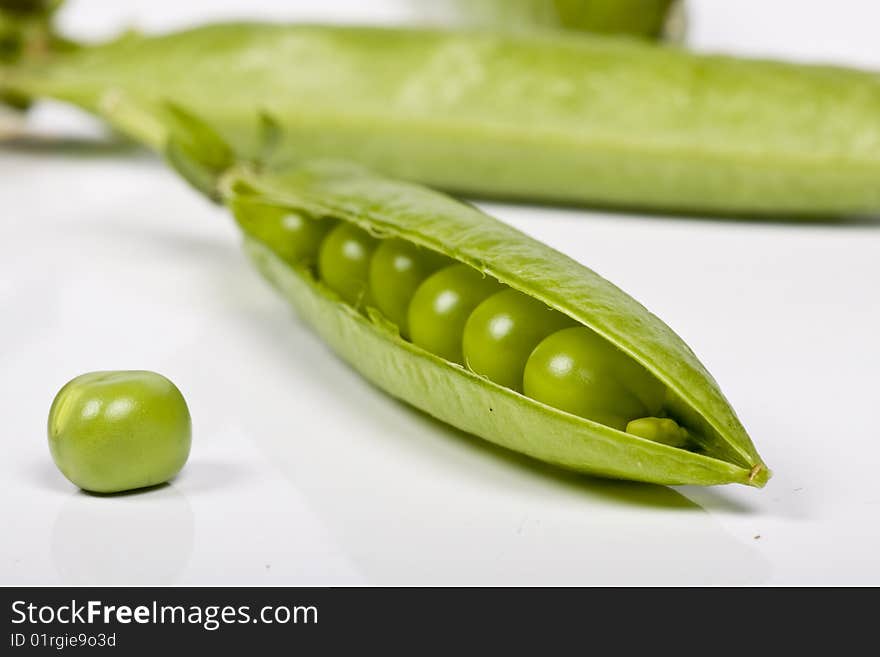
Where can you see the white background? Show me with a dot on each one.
(302, 473)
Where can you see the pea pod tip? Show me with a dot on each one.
(759, 475)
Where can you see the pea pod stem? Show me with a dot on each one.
(27, 35)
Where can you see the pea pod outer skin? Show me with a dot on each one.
(647, 18)
(461, 398)
(554, 117)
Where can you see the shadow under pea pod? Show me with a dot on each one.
(142, 537)
(412, 501)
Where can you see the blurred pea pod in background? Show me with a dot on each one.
(26, 32)
(554, 117)
(653, 19)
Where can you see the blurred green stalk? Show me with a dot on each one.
(26, 33)
(647, 18)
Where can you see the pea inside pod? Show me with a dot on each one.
(344, 262)
(441, 306)
(577, 371)
(295, 237)
(503, 331)
(397, 269)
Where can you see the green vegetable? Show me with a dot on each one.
(552, 117)
(659, 429)
(27, 33)
(116, 431)
(344, 262)
(502, 332)
(648, 18)
(396, 271)
(296, 237)
(578, 371)
(441, 306)
(649, 370)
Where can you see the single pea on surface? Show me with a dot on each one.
(119, 430)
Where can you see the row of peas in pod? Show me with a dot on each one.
(457, 313)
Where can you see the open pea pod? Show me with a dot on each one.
(553, 117)
(301, 223)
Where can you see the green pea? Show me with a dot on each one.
(115, 431)
(441, 306)
(291, 234)
(344, 262)
(396, 271)
(659, 429)
(578, 371)
(502, 332)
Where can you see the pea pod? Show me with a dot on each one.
(645, 18)
(570, 118)
(648, 379)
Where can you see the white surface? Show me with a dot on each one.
(302, 473)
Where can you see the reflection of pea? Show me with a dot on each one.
(143, 538)
(115, 431)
